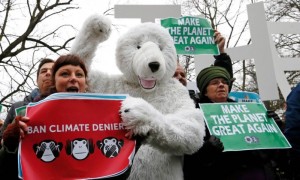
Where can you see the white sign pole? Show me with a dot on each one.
(147, 13)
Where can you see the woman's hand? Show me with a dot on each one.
(23, 126)
(14, 132)
(220, 40)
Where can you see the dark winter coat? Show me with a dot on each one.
(213, 164)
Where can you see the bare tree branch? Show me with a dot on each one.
(5, 19)
(29, 44)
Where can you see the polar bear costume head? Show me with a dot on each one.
(146, 55)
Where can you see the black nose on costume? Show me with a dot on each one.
(154, 66)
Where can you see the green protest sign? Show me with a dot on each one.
(243, 126)
(20, 111)
(191, 35)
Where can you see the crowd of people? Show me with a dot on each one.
(68, 74)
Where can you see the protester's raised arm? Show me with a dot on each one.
(220, 40)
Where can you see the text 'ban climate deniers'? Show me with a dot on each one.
(75, 128)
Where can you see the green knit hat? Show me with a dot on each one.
(210, 73)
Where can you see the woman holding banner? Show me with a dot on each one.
(69, 74)
(214, 84)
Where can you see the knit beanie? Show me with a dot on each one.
(210, 73)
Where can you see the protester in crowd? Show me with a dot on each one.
(212, 146)
(214, 84)
(43, 82)
(68, 75)
(180, 74)
(292, 130)
(209, 162)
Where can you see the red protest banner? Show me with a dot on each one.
(75, 139)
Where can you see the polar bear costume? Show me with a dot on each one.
(159, 107)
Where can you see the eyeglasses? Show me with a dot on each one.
(218, 81)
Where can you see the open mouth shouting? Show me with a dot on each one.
(73, 89)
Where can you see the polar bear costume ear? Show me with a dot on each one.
(146, 53)
(95, 29)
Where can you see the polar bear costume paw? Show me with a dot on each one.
(137, 115)
(96, 29)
